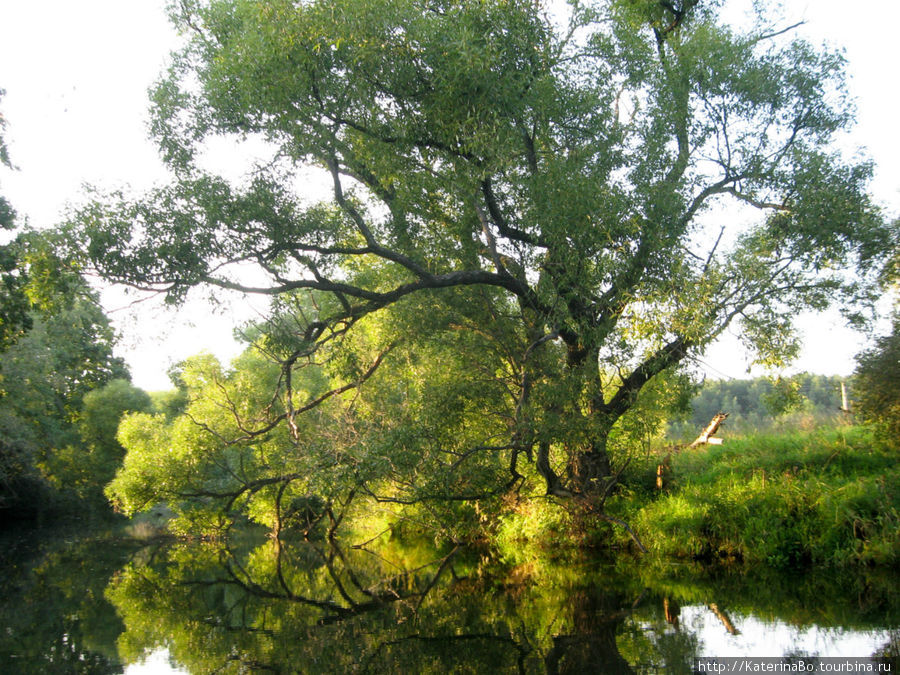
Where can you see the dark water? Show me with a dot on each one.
(107, 605)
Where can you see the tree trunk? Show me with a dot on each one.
(592, 469)
(710, 430)
(597, 619)
(554, 484)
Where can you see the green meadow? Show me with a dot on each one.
(828, 497)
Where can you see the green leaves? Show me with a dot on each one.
(532, 220)
(45, 377)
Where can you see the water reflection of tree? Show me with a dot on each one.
(356, 597)
(592, 645)
(284, 608)
(316, 607)
(860, 600)
(301, 607)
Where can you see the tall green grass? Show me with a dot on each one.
(790, 501)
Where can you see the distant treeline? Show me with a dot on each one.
(763, 404)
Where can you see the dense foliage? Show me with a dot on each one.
(53, 435)
(878, 375)
(532, 224)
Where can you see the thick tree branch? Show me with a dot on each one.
(503, 226)
(364, 229)
(665, 357)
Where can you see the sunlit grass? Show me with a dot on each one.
(826, 497)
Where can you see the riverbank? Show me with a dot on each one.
(830, 497)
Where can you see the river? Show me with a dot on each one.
(105, 604)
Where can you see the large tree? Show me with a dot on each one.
(590, 193)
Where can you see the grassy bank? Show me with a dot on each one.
(823, 498)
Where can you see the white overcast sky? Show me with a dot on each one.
(76, 75)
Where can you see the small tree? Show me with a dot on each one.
(91, 458)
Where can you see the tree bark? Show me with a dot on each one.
(554, 484)
(592, 468)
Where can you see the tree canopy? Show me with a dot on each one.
(535, 216)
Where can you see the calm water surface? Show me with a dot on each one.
(108, 605)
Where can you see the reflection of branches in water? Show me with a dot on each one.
(591, 644)
(341, 591)
(239, 576)
(672, 611)
(343, 579)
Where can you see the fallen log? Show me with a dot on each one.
(705, 438)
